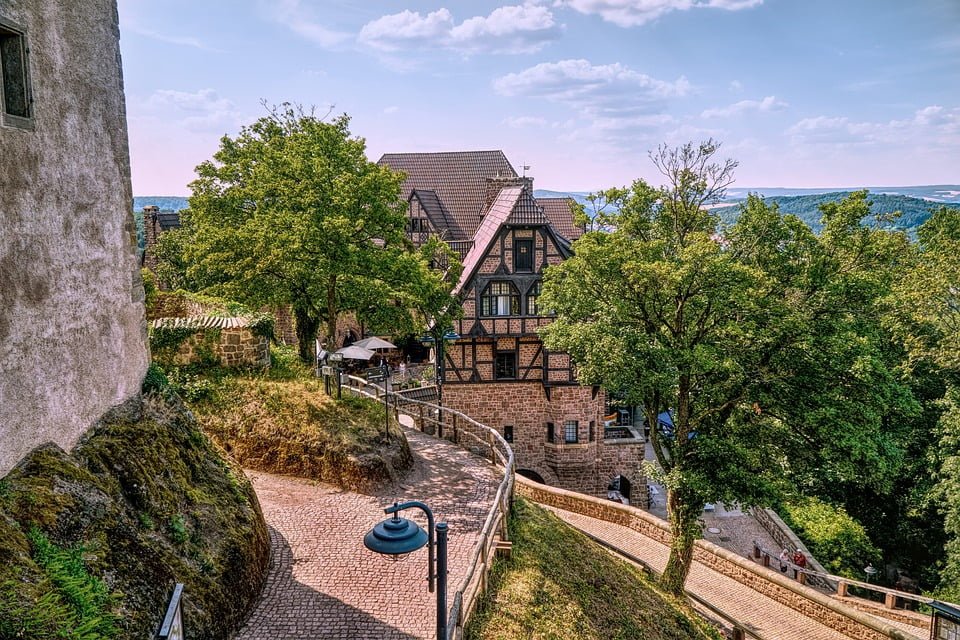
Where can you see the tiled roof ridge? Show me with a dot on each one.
(202, 322)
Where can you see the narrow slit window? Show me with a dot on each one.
(15, 85)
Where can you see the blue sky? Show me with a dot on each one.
(803, 93)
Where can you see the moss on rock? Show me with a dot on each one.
(151, 502)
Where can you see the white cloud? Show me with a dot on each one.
(202, 110)
(616, 107)
(581, 84)
(735, 86)
(933, 125)
(391, 109)
(293, 15)
(770, 103)
(631, 13)
(508, 29)
(523, 122)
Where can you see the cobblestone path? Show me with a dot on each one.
(322, 581)
(767, 618)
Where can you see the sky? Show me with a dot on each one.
(802, 93)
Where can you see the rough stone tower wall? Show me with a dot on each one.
(72, 328)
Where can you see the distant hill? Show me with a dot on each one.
(914, 211)
(166, 203)
(914, 203)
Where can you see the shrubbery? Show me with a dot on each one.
(836, 540)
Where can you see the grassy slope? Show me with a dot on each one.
(282, 421)
(559, 584)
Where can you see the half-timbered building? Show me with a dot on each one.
(498, 371)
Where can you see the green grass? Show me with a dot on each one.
(280, 420)
(558, 584)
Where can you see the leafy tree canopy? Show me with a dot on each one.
(759, 338)
(291, 212)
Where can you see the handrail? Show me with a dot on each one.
(501, 455)
(844, 580)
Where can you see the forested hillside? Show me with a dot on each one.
(914, 211)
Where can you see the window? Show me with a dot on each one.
(418, 225)
(508, 433)
(532, 296)
(505, 366)
(550, 434)
(500, 298)
(593, 428)
(570, 432)
(15, 86)
(523, 255)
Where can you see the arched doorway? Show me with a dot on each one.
(530, 474)
(619, 489)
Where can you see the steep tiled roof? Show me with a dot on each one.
(168, 220)
(558, 212)
(458, 178)
(513, 205)
(438, 214)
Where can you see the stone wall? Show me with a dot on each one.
(785, 538)
(586, 466)
(72, 328)
(770, 583)
(231, 347)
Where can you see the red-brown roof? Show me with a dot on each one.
(457, 177)
(558, 212)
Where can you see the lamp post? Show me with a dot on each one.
(396, 535)
(438, 339)
(336, 359)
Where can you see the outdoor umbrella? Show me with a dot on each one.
(353, 352)
(374, 343)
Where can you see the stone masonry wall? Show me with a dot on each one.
(770, 583)
(587, 466)
(73, 339)
(232, 347)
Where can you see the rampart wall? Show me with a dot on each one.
(72, 327)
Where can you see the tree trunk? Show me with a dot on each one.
(332, 313)
(307, 326)
(684, 516)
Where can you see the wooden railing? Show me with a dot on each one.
(482, 440)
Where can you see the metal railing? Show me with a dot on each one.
(803, 575)
(480, 439)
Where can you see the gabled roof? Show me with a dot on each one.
(439, 216)
(558, 212)
(168, 220)
(513, 206)
(458, 178)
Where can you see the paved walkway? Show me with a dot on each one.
(322, 581)
(767, 618)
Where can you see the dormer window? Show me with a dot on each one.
(500, 298)
(523, 255)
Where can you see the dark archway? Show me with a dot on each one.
(530, 474)
(619, 489)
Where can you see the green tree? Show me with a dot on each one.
(292, 212)
(757, 337)
(925, 313)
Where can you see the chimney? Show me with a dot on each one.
(494, 185)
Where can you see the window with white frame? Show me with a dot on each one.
(570, 431)
(500, 298)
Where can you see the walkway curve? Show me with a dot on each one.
(323, 583)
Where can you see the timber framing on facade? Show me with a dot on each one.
(499, 372)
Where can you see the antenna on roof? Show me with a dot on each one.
(526, 168)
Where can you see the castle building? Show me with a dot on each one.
(72, 328)
(499, 372)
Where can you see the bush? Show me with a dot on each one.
(836, 540)
(155, 381)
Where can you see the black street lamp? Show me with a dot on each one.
(397, 535)
(438, 339)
